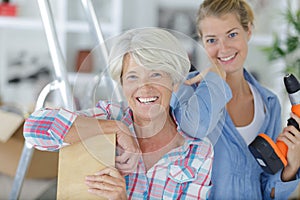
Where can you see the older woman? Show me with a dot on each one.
(149, 64)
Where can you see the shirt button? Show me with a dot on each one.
(145, 193)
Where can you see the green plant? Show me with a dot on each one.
(287, 48)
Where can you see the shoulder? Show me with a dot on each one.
(113, 110)
(267, 95)
(200, 148)
(109, 104)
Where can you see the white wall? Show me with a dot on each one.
(144, 13)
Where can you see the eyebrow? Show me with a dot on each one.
(131, 72)
(231, 30)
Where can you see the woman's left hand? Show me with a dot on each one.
(108, 183)
(198, 78)
(291, 137)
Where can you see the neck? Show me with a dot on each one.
(151, 128)
(155, 136)
(237, 84)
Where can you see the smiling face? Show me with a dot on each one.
(225, 41)
(147, 91)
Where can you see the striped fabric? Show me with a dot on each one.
(182, 173)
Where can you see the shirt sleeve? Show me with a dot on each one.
(198, 108)
(45, 129)
(282, 189)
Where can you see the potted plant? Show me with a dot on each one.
(287, 48)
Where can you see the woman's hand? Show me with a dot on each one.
(107, 183)
(129, 152)
(291, 137)
(197, 79)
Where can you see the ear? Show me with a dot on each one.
(176, 87)
(249, 32)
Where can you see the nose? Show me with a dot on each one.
(223, 45)
(145, 88)
(144, 82)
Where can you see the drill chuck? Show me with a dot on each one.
(291, 84)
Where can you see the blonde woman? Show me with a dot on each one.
(225, 28)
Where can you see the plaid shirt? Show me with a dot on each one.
(182, 173)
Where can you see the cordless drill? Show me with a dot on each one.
(271, 156)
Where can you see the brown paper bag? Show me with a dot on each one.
(81, 159)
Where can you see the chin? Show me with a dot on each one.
(151, 115)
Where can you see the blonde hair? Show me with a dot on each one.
(153, 48)
(218, 8)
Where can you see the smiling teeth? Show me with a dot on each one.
(228, 58)
(147, 100)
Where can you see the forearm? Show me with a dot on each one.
(86, 127)
(46, 129)
(198, 109)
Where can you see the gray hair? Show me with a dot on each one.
(153, 48)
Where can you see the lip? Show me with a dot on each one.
(227, 59)
(150, 100)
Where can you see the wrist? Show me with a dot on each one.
(288, 173)
(110, 126)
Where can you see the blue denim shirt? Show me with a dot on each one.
(199, 108)
(236, 174)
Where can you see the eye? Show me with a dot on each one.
(211, 41)
(131, 77)
(232, 35)
(156, 75)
